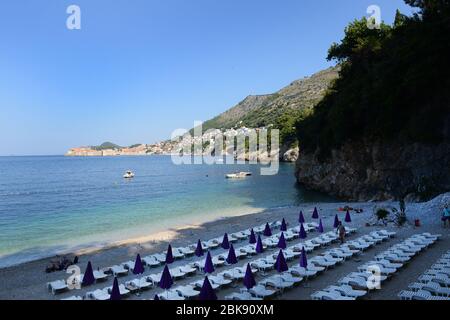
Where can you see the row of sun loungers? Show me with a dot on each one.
(433, 284)
(226, 278)
(159, 259)
(267, 288)
(385, 265)
(222, 279)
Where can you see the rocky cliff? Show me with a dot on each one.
(378, 171)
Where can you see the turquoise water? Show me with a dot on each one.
(54, 204)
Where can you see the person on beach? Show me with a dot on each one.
(341, 232)
(402, 205)
(446, 216)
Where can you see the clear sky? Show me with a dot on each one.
(138, 69)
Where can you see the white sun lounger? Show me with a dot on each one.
(286, 276)
(324, 295)
(118, 271)
(277, 282)
(270, 243)
(419, 295)
(219, 280)
(260, 291)
(393, 258)
(170, 295)
(98, 294)
(57, 286)
(366, 275)
(177, 273)
(379, 267)
(188, 270)
(199, 284)
(291, 253)
(129, 265)
(100, 275)
(261, 265)
(442, 280)
(186, 251)
(321, 262)
(432, 287)
(249, 249)
(302, 272)
(340, 254)
(330, 258)
(187, 292)
(378, 236)
(234, 274)
(73, 298)
(245, 296)
(218, 261)
(151, 261)
(309, 243)
(239, 235)
(387, 264)
(177, 254)
(123, 291)
(348, 291)
(139, 284)
(358, 283)
(212, 244)
(154, 278)
(390, 234)
(160, 257)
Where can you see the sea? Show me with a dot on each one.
(57, 204)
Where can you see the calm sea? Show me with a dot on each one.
(53, 204)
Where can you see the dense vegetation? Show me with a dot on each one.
(393, 85)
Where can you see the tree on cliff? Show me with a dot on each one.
(394, 83)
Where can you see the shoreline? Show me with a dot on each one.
(155, 236)
(32, 277)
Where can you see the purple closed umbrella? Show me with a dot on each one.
(138, 266)
(88, 277)
(320, 228)
(282, 242)
(209, 266)
(166, 281)
(348, 218)
(259, 246)
(336, 221)
(267, 232)
(115, 292)
(303, 259)
(301, 218)
(225, 242)
(283, 225)
(199, 249)
(315, 213)
(231, 259)
(249, 279)
(169, 255)
(252, 237)
(207, 292)
(302, 232)
(281, 264)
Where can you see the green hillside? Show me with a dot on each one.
(280, 109)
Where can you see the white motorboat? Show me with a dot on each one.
(238, 175)
(128, 175)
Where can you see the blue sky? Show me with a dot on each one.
(139, 69)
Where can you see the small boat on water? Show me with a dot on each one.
(128, 175)
(238, 175)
